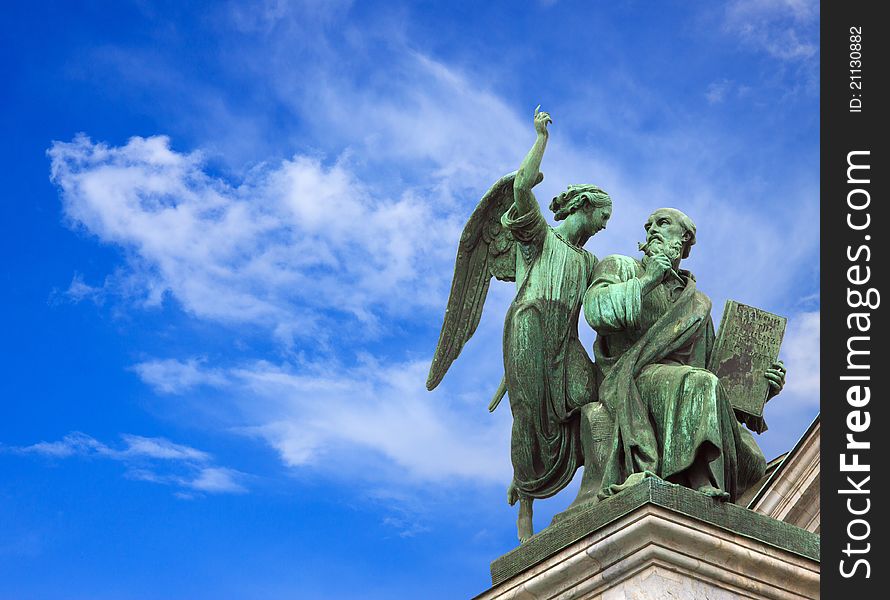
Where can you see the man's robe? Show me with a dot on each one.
(668, 410)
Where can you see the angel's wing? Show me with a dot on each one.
(486, 250)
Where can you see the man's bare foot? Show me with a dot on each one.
(714, 492)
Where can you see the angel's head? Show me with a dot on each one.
(588, 203)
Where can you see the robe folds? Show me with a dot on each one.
(668, 410)
(548, 373)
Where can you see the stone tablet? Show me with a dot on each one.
(748, 343)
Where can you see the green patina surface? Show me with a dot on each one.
(647, 404)
(586, 520)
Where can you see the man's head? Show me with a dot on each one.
(588, 202)
(669, 231)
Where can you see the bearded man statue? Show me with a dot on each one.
(669, 416)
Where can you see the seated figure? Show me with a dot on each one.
(660, 411)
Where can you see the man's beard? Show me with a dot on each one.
(656, 244)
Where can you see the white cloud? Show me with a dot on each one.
(75, 443)
(153, 459)
(216, 480)
(430, 114)
(297, 245)
(289, 244)
(789, 413)
(159, 448)
(718, 90)
(376, 416)
(785, 29)
(800, 350)
(173, 376)
(212, 480)
(407, 513)
(135, 447)
(79, 290)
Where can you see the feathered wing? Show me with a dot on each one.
(486, 250)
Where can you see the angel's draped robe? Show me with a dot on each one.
(549, 375)
(667, 408)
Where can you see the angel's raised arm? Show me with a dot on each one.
(529, 172)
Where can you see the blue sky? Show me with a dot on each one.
(229, 230)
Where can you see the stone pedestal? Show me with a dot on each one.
(661, 541)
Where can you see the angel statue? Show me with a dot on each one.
(548, 376)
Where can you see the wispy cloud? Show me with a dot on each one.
(725, 90)
(307, 249)
(79, 290)
(800, 350)
(213, 480)
(403, 512)
(784, 29)
(175, 376)
(371, 417)
(135, 446)
(355, 236)
(789, 413)
(217, 480)
(153, 459)
(288, 245)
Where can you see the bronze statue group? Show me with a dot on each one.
(646, 405)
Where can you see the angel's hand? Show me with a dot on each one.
(542, 120)
(776, 377)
